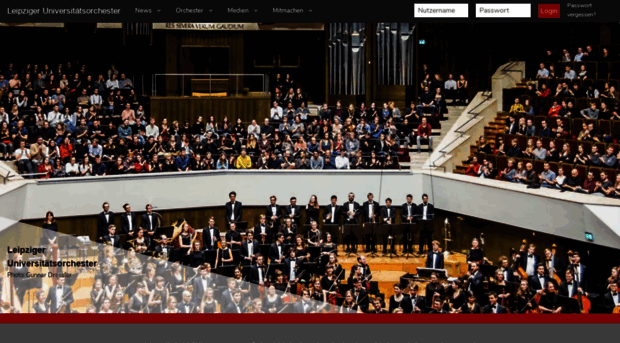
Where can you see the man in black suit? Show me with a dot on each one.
(539, 280)
(476, 282)
(388, 214)
(128, 221)
(426, 211)
(332, 212)
(611, 300)
(569, 288)
(235, 305)
(276, 251)
(234, 209)
(104, 220)
(363, 266)
(227, 295)
(408, 211)
(210, 236)
(149, 222)
(163, 249)
(60, 297)
(493, 306)
(112, 238)
(418, 302)
(377, 305)
(249, 249)
(579, 270)
(262, 231)
(505, 269)
(203, 281)
(305, 305)
(293, 268)
(186, 305)
(257, 272)
(273, 212)
(350, 211)
(293, 212)
(434, 259)
(528, 260)
(360, 295)
(370, 214)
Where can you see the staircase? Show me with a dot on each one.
(418, 159)
(490, 134)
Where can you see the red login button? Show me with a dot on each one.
(548, 10)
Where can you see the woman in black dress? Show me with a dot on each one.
(159, 296)
(338, 270)
(476, 254)
(196, 255)
(209, 304)
(272, 302)
(97, 294)
(349, 305)
(185, 243)
(300, 249)
(50, 230)
(171, 305)
(313, 237)
(456, 294)
(498, 286)
(224, 256)
(328, 248)
(525, 299)
(396, 301)
(137, 303)
(471, 306)
(312, 210)
(280, 284)
(40, 306)
(175, 282)
(549, 302)
(118, 304)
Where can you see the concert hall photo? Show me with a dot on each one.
(283, 171)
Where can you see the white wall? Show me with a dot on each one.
(201, 189)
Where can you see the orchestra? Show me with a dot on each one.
(241, 271)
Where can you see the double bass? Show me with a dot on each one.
(522, 273)
(555, 275)
(584, 303)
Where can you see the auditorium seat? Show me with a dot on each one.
(614, 70)
(502, 162)
(573, 144)
(604, 127)
(597, 172)
(601, 147)
(582, 103)
(539, 166)
(587, 83)
(545, 142)
(615, 129)
(555, 166)
(587, 146)
(577, 123)
(581, 169)
(611, 175)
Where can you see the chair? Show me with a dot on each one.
(613, 70)
(582, 171)
(616, 148)
(576, 125)
(502, 162)
(567, 168)
(615, 129)
(611, 174)
(597, 172)
(545, 142)
(587, 146)
(539, 166)
(573, 144)
(602, 147)
(604, 127)
(555, 166)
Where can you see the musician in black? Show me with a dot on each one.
(104, 219)
(330, 282)
(305, 305)
(418, 302)
(350, 211)
(50, 232)
(362, 264)
(426, 211)
(289, 230)
(579, 270)
(276, 251)
(203, 281)
(210, 236)
(313, 237)
(159, 296)
(407, 214)
(434, 289)
(360, 295)
(388, 214)
(262, 230)
(293, 212)
(569, 288)
(273, 212)
(493, 306)
(139, 301)
(611, 300)
(549, 302)
(475, 282)
(471, 306)
(258, 272)
(293, 268)
(150, 221)
(332, 212)
(234, 209)
(504, 267)
(434, 259)
(539, 280)
(129, 223)
(233, 237)
(40, 306)
(249, 249)
(399, 301)
(235, 305)
(370, 214)
(187, 305)
(60, 297)
(112, 239)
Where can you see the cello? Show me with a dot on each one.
(555, 275)
(584, 303)
(522, 273)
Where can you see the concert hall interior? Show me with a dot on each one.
(381, 144)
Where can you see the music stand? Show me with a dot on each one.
(164, 230)
(426, 272)
(569, 304)
(391, 230)
(227, 271)
(372, 229)
(408, 232)
(210, 257)
(347, 230)
(487, 269)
